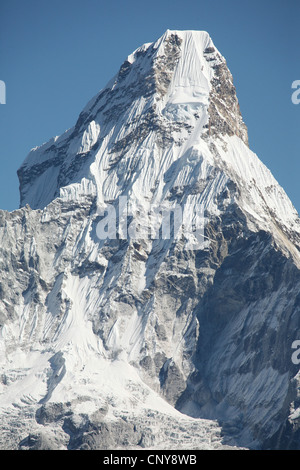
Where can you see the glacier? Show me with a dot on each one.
(123, 343)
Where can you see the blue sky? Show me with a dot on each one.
(56, 55)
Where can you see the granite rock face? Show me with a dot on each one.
(145, 342)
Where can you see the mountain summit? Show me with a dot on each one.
(170, 91)
(107, 340)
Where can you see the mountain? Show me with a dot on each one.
(148, 338)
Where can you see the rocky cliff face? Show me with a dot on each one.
(144, 342)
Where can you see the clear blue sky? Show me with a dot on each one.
(56, 55)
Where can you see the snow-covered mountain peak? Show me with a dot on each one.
(162, 92)
(169, 119)
(103, 340)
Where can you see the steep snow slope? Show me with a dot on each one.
(105, 341)
(156, 118)
(62, 379)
